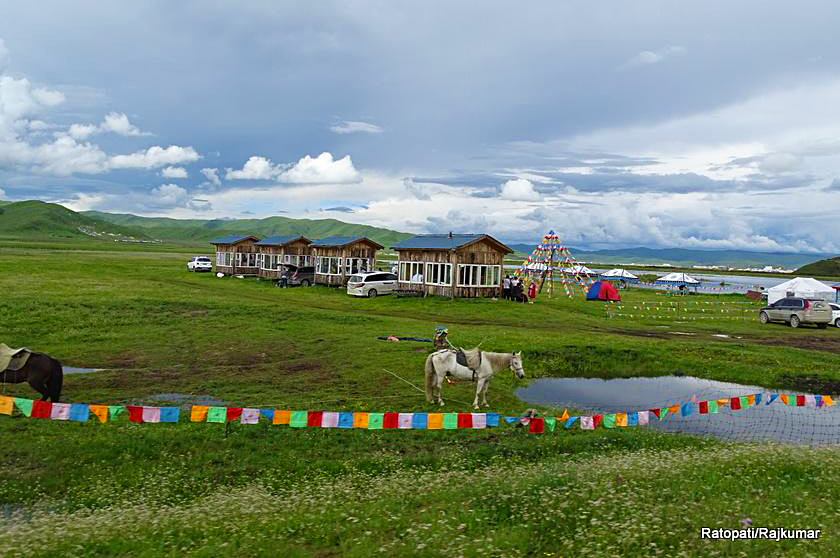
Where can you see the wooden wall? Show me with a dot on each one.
(296, 248)
(359, 249)
(246, 246)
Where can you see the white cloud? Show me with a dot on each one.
(519, 189)
(322, 170)
(154, 157)
(255, 168)
(170, 194)
(353, 126)
(648, 57)
(2, 192)
(174, 172)
(119, 124)
(212, 176)
(82, 131)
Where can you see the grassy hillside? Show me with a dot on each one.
(829, 267)
(200, 229)
(37, 219)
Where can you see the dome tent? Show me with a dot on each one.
(803, 287)
(603, 290)
(618, 274)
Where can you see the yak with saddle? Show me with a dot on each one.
(43, 372)
(475, 365)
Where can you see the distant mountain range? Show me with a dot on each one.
(36, 219)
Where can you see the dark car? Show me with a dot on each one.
(302, 276)
(797, 311)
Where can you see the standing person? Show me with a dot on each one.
(514, 287)
(506, 287)
(532, 291)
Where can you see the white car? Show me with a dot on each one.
(199, 263)
(835, 313)
(372, 284)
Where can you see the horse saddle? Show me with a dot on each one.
(471, 358)
(13, 359)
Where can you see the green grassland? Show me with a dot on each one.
(206, 489)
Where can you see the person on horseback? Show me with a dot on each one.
(440, 340)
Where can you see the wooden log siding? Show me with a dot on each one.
(244, 247)
(355, 250)
(478, 253)
(296, 248)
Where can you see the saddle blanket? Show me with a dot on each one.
(13, 359)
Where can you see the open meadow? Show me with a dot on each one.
(208, 489)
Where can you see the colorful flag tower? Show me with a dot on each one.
(552, 262)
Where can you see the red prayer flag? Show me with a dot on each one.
(596, 420)
(389, 420)
(735, 403)
(234, 413)
(314, 418)
(655, 412)
(41, 409)
(800, 400)
(464, 420)
(135, 413)
(537, 425)
(704, 407)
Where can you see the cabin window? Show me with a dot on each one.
(329, 265)
(244, 259)
(439, 274)
(479, 275)
(356, 265)
(411, 272)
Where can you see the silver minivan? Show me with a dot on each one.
(372, 284)
(797, 311)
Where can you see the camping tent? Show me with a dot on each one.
(804, 287)
(578, 269)
(602, 290)
(618, 274)
(678, 279)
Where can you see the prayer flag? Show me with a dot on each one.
(609, 420)
(450, 421)
(791, 400)
(758, 399)
(170, 414)
(723, 402)
(151, 414)
(435, 421)
(713, 407)
(345, 419)
(268, 414)
(829, 402)
(282, 417)
(313, 419)
(537, 425)
(570, 422)
(773, 397)
(663, 412)
(6, 405)
(217, 414)
(375, 421)
(687, 409)
(596, 420)
(420, 421)
(565, 415)
(360, 420)
(233, 413)
(632, 419)
(586, 423)
(60, 411)
(390, 420)
(464, 420)
(25, 406)
(735, 404)
(41, 409)
(704, 407)
(745, 402)
(674, 409)
(198, 413)
(750, 400)
(784, 398)
(135, 413)
(329, 419)
(101, 412)
(621, 419)
(550, 423)
(655, 412)
(818, 400)
(800, 400)
(404, 420)
(79, 412)
(492, 420)
(249, 416)
(115, 410)
(643, 417)
(298, 419)
(810, 401)
(479, 420)
(511, 420)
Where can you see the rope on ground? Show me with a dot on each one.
(421, 390)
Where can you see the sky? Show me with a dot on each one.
(651, 123)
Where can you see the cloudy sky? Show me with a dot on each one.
(705, 124)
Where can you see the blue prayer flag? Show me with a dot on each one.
(170, 414)
(758, 399)
(819, 401)
(632, 419)
(570, 422)
(687, 409)
(773, 397)
(345, 419)
(511, 420)
(79, 412)
(420, 421)
(492, 420)
(268, 414)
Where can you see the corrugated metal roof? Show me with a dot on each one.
(279, 240)
(336, 240)
(443, 241)
(232, 238)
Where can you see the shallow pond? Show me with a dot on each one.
(775, 422)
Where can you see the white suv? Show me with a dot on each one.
(835, 314)
(371, 284)
(199, 263)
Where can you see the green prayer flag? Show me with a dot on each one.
(115, 410)
(450, 421)
(609, 421)
(297, 419)
(663, 412)
(745, 403)
(550, 423)
(218, 414)
(25, 406)
(375, 421)
(713, 406)
(791, 400)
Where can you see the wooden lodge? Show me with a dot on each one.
(275, 252)
(452, 265)
(339, 257)
(236, 254)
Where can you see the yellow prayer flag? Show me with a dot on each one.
(784, 398)
(565, 415)
(281, 417)
(6, 405)
(828, 401)
(621, 419)
(723, 402)
(674, 409)
(360, 420)
(435, 421)
(199, 413)
(100, 412)
(750, 400)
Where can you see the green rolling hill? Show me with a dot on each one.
(827, 268)
(36, 220)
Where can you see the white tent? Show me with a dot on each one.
(578, 269)
(618, 273)
(679, 278)
(804, 287)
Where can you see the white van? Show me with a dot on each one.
(372, 284)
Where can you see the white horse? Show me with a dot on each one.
(444, 363)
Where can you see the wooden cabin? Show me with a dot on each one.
(275, 252)
(452, 265)
(339, 257)
(236, 254)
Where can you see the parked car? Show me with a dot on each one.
(302, 276)
(797, 311)
(199, 263)
(835, 313)
(371, 284)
